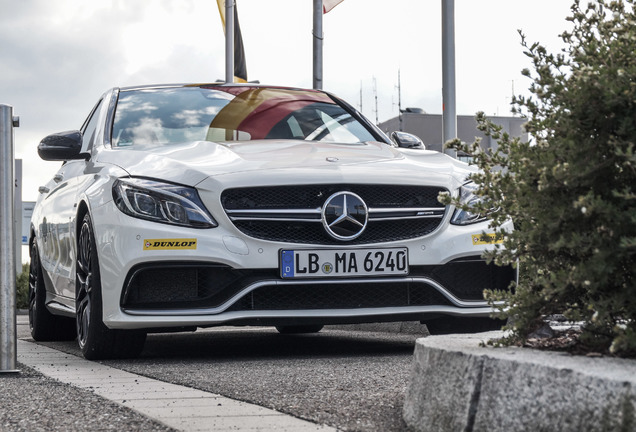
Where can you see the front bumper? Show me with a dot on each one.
(229, 279)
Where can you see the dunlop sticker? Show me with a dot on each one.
(481, 239)
(170, 244)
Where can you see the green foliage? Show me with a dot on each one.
(571, 190)
(22, 286)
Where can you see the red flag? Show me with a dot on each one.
(327, 5)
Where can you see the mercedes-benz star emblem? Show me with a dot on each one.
(344, 216)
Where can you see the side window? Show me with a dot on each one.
(89, 127)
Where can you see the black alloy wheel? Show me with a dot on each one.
(95, 339)
(84, 294)
(43, 324)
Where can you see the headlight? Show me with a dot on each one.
(161, 202)
(467, 197)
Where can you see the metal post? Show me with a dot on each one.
(17, 199)
(229, 41)
(8, 336)
(318, 37)
(449, 116)
(399, 86)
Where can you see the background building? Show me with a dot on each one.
(429, 128)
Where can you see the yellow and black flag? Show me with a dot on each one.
(240, 67)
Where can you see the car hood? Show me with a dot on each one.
(273, 161)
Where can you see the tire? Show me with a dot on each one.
(452, 324)
(299, 329)
(43, 324)
(97, 341)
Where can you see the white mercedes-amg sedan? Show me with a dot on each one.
(186, 206)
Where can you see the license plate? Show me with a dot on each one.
(306, 263)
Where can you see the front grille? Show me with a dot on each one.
(196, 285)
(393, 212)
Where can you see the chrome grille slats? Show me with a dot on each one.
(275, 215)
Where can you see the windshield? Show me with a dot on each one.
(152, 117)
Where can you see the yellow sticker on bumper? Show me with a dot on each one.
(481, 239)
(170, 244)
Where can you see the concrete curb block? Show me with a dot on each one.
(456, 385)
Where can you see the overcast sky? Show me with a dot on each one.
(58, 57)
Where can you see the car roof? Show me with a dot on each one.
(215, 84)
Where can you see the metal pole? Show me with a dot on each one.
(400, 102)
(318, 37)
(17, 199)
(229, 41)
(8, 336)
(449, 114)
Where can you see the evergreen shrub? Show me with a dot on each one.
(570, 190)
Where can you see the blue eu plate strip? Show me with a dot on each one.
(287, 263)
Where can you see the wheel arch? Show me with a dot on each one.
(31, 240)
(82, 210)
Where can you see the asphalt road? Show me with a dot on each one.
(351, 380)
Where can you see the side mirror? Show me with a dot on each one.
(62, 146)
(407, 140)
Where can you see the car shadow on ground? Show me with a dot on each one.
(220, 344)
(265, 343)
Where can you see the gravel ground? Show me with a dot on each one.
(31, 402)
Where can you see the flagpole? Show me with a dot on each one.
(317, 42)
(449, 114)
(229, 41)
